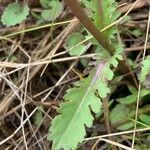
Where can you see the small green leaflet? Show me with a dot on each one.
(137, 32)
(38, 117)
(14, 14)
(145, 69)
(71, 42)
(53, 11)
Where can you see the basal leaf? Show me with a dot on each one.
(14, 14)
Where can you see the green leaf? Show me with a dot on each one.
(84, 62)
(102, 54)
(55, 10)
(145, 69)
(137, 32)
(131, 63)
(38, 116)
(145, 118)
(145, 92)
(71, 42)
(126, 126)
(133, 97)
(119, 113)
(75, 112)
(45, 3)
(132, 89)
(128, 99)
(69, 128)
(110, 14)
(14, 14)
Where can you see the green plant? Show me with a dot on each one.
(83, 101)
(86, 95)
(130, 99)
(38, 116)
(145, 118)
(122, 113)
(14, 14)
(52, 9)
(73, 40)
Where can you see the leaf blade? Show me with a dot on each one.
(14, 14)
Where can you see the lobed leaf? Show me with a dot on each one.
(14, 14)
(108, 16)
(75, 114)
(55, 9)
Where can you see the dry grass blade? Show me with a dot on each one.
(140, 86)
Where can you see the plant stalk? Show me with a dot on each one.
(97, 34)
(89, 25)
